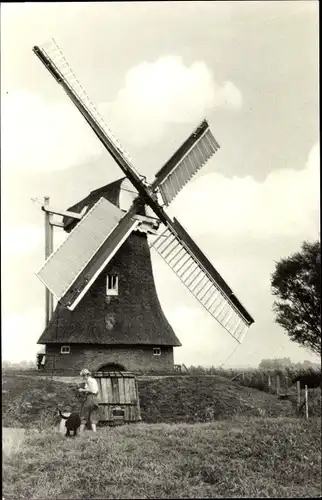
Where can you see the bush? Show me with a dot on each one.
(256, 378)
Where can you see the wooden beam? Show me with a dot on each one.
(49, 248)
(64, 213)
(146, 218)
(147, 224)
(56, 223)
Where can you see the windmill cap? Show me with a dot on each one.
(85, 372)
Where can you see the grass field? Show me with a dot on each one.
(247, 457)
(201, 438)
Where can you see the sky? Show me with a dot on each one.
(155, 70)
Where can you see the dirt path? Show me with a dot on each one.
(12, 440)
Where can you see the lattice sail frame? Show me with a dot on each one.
(186, 162)
(201, 284)
(63, 68)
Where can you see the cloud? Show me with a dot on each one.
(228, 96)
(167, 91)
(17, 240)
(46, 136)
(243, 226)
(43, 136)
(286, 203)
(20, 334)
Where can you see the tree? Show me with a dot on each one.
(272, 364)
(296, 282)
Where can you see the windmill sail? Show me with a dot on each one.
(201, 141)
(55, 62)
(70, 271)
(195, 271)
(63, 73)
(186, 162)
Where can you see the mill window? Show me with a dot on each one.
(112, 284)
(65, 349)
(156, 351)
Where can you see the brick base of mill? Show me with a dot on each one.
(131, 358)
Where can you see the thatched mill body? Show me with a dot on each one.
(108, 314)
(119, 323)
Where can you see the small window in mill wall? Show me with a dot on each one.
(65, 349)
(112, 284)
(156, 351)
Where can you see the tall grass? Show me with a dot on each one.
(252, 377)
(245, 458)
(266, 381)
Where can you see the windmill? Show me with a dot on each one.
(103, 236)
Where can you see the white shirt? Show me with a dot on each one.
(91, 385)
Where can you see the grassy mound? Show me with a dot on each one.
(247, 457)
(203, 398)
(29, 401)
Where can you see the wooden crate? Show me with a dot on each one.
(118, 390)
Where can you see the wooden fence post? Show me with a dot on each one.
(286, 384)
(298, 388)
(306, 404)
(277, 385)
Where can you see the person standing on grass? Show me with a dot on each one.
(89, 407)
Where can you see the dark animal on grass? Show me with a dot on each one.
(72, 423)
(284, 396)
(312, 380)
